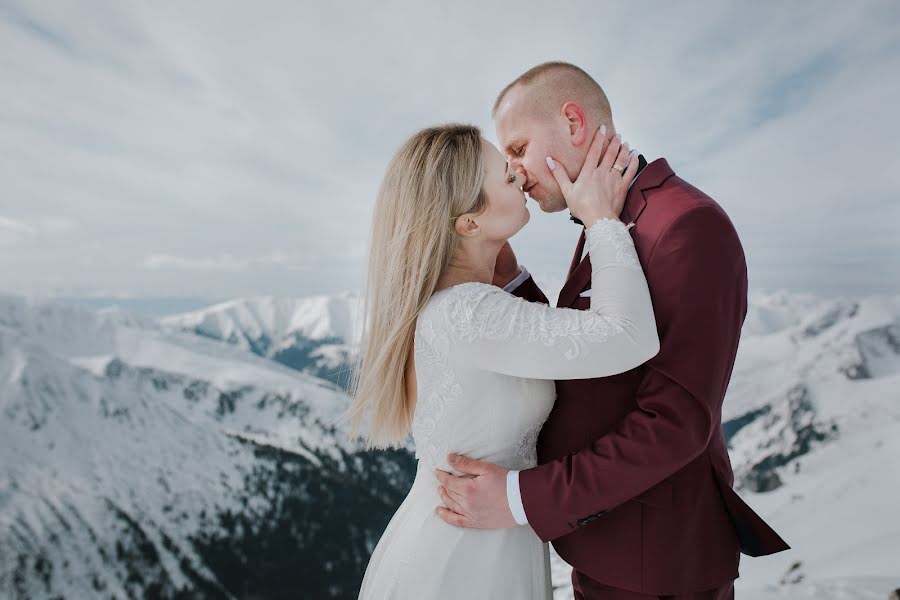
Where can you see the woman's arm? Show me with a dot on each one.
(502, 333)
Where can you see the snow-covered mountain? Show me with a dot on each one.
(315, 335)
(141, 462)
(175, 459)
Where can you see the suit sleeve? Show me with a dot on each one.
(698, 281)
(529, 290)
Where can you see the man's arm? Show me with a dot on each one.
(525, 287)
(518, 280)
(515, 278)
(698, 278)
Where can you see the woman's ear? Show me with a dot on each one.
(467, 226)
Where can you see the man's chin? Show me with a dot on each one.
(548, 205)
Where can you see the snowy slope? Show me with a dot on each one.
(316, 335)
(828, 447)
(142, 462)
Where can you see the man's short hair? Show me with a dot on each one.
(558, 82)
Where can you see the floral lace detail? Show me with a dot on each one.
(481, 311)
(436, 391)
(614, 232)
(527, 446)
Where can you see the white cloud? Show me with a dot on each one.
(14, 231)
(197, 127)
(225, 262)
(15, 226)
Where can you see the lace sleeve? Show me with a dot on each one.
(502, 333)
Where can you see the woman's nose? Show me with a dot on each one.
(522, 176)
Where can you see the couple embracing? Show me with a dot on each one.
(594, 425)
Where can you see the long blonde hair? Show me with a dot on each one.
(435, 176)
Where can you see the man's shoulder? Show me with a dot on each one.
(680, 214)
(675, 196)
(675, 200)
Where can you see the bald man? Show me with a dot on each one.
(633, 484)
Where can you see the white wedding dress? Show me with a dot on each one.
(485, 363)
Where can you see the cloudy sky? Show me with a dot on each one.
(221, 149)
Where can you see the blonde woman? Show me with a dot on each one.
(469, 368)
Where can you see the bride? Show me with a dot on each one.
(469, 368)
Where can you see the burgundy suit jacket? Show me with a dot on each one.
(633, 483)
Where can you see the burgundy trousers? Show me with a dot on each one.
(589, 589)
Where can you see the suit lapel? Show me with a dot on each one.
(576, 282)
(576, 258)
(649, 176)
(577, 263)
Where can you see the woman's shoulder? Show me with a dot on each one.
(467, 288)
(470, 310)
(467, 293)
(459, 303)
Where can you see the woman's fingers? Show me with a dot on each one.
(612, 152)
(594, 152)
(600, 189)
(622, 158)
(562, 178)
(631, 169)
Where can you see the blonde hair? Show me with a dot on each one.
(435, 176)
(552, 84)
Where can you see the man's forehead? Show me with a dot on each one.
(508, 123)
(513, 117)
(505, 106)
(510, 106)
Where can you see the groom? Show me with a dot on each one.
(634, 483)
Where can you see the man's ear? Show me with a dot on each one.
(577, 122)
(467, 226)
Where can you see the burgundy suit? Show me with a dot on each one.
(634, 483)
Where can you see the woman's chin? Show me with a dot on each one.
(522, 226)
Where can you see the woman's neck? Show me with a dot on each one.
(473, 261)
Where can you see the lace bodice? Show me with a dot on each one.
(486, 360)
